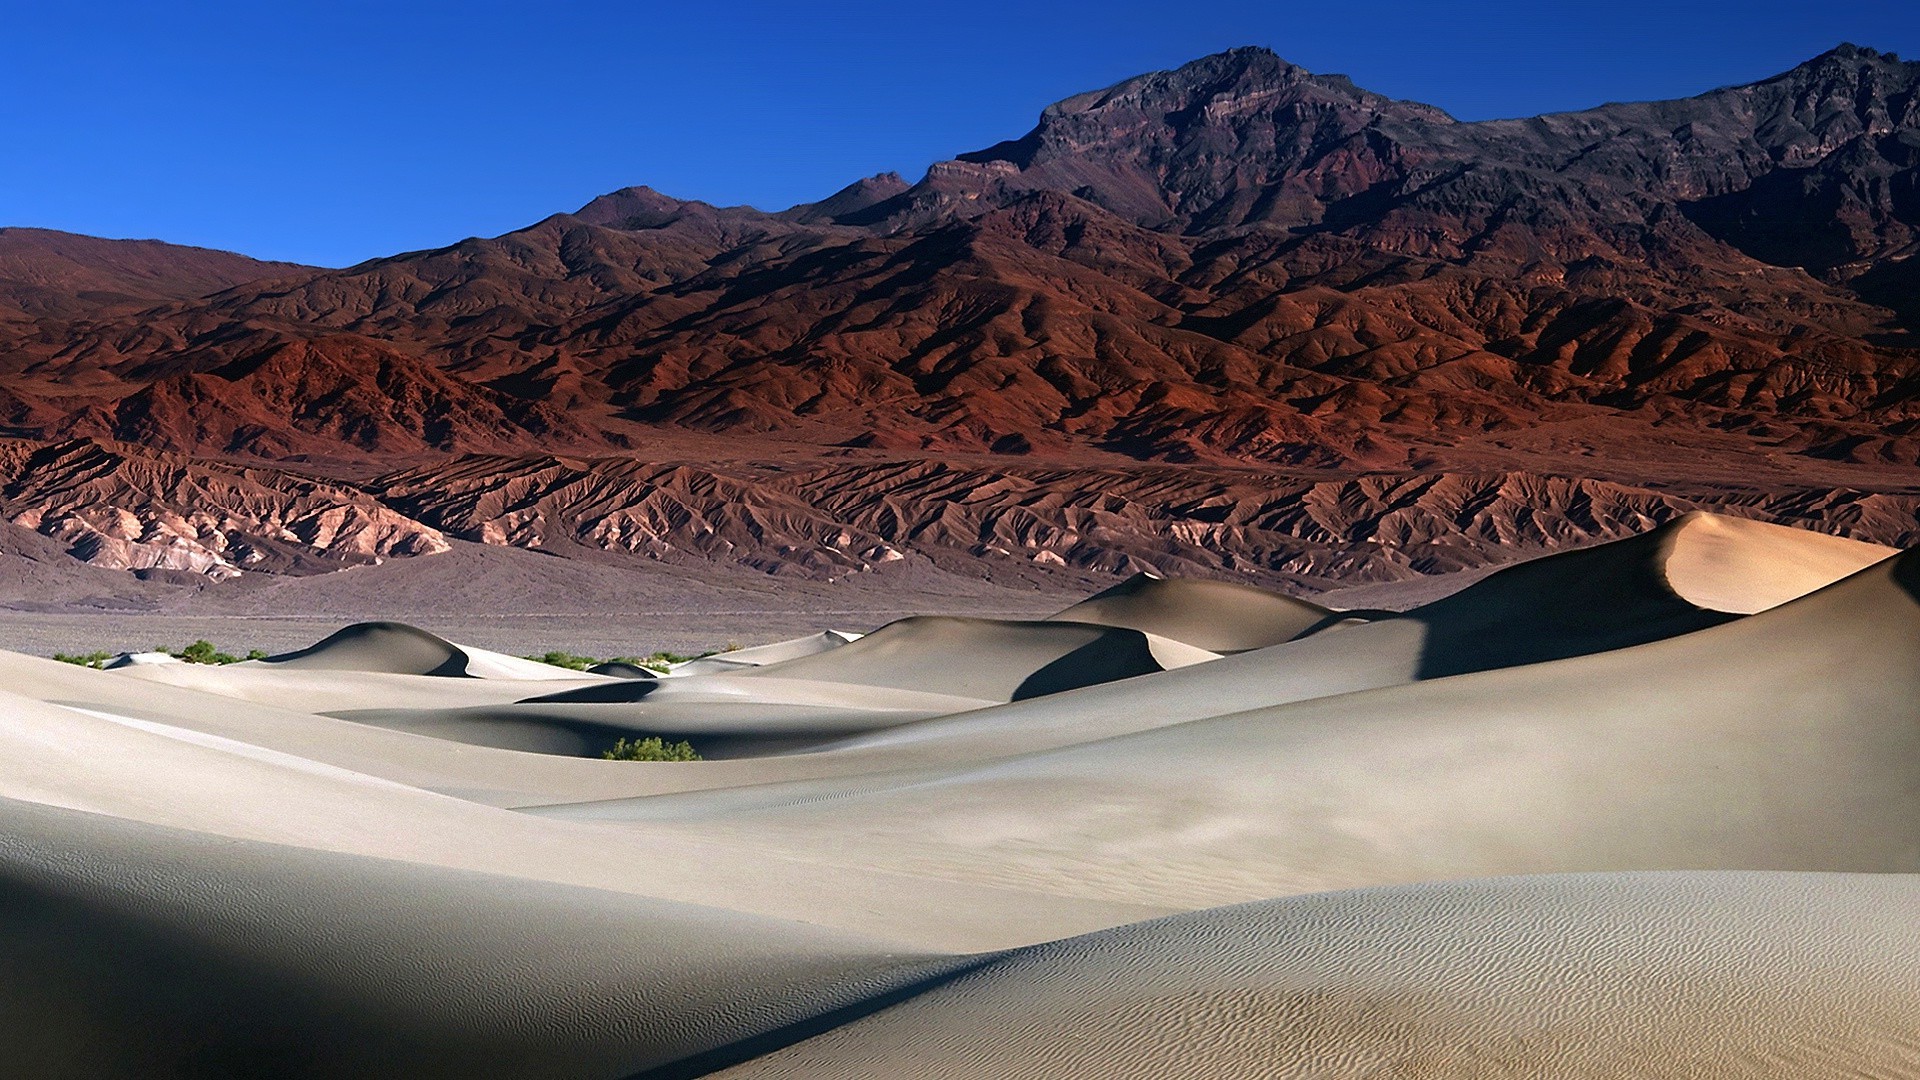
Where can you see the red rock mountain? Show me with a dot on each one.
(1165, 327)
(43, 272)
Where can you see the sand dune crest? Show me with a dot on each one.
(1218, 616)
(394, 648)
(994, 660)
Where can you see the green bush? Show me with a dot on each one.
(92, 659)
(200, 652)
(651, 748)
(203, 652)
(565, 660)
(660, 661)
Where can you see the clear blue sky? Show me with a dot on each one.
(331, 132)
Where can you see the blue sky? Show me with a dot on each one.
(339, 131)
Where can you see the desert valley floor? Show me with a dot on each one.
(1645, 808)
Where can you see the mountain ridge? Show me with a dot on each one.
(49, 272)
(1234, 264)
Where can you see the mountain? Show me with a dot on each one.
(1238, 276)
(44, 272)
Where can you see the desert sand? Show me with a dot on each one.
(1648, 808)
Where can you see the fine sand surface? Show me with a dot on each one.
(1650, 808)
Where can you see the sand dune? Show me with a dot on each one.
(716, 728)
(1697, 571)
(721, 715)
(1732, 748)
(111, 764)
(398, 649)
(990, 659)
(1216, 615)
(1559, 606)
(1654, 975)
(1221, 833)
(800, 695)
(386, 662)
(793, 648)
(624, 669)
(133, 950)
(324, 690)
(1737, 565)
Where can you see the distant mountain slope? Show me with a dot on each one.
(1235, 260)
(865, 522)
(1238, 264)
(44, 272)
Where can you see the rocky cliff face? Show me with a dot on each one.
(1011, 521)
(131, 509)
(1245, 138)
(1237, 267)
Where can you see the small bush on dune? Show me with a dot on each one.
(651, 748)
(203, 652)
(565, 660)
(92, 659)
(661, 662)
(200, 652)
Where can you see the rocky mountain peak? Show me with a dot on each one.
(1847, 53)
(850, 202)
(638, 207)
(1185, 150)
(1804, 113)
(1238, 94)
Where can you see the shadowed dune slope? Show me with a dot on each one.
(389, 647)
(112, 764)
(993, 659)
(621, 669)
(771, 653)
(1697, 571)
(1694, 975)
(394, 648)
(1219, 616)
(287, 962)
(584, 726)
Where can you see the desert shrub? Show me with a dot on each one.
(200, 652)
(93, 659)
(660, 661)
(203, 652)
(651, 748)
(564, 659)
